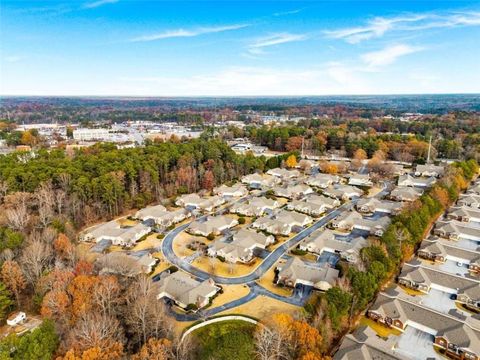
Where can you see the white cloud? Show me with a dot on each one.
(277, 39)
(95, 4)
(252, 81)
(284, 13)
(387, 55)
(379, 26)
(178, 33)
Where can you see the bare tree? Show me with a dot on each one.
(107, 295)
(145, 313)
(45, 196)
(17, 214)
(95, 330)
(36, 258)
(270, 344)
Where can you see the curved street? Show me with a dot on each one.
(269, 261)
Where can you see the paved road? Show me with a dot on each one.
(298, 298)
(167, 249)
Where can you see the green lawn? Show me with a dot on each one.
(228, 340)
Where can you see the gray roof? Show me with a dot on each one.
(295, 269)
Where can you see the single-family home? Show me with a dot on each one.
(375, 227)
(346, 220)
(237, 190)
(322, 180)
(433, 251)
(360, 180)
(254, 207)
(324, 240)
(405, 194)
(295, 272)
(293, 192)
(454, 230)
(470, 200)
(343, 192)
(464, 214)
(122, 263)
(161, 216)
(284, 174)
(241, 248)
(116, 233)
(371, 205)
(256, 181)
(475, 189)
(212, 225)
(456, 338)
(407, 180)
(194, 201)
(185, 291)
(283, 223)
(429, 170)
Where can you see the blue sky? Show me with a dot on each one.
(202, 48)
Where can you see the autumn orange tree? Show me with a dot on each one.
(12, 277)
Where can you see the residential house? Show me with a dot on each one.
(343, 192)
(284, 174)
(322, 180)
(293, 192)
(194, 201)
(346, 220)
(255, 207)
(429, 170)
(407, 180)
(295, 272)
(283, 223)
(470, 200)
(464, 214)
(475, 189)
(458, 339)
(470, 296)
(122, 263)
(423, 279)
(371, 205)
(185, 291)
(375, 227)
(116, 233)
(241, 248)
(313, 205)
(256, 181)
(405, 194)
(161, 216)
(212, 225)
(360, 180)
(324, 240)
(237, 190)
(433, 251)
(455, 230)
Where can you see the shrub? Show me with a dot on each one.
(241, 220)
(298, 252)
(211, 236)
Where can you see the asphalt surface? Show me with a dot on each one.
(167, 250)
(300, 294)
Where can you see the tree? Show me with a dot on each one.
(13, 278)
(64, 249)
(294, 143)
(40, 344)
(155, 349)
(291, 161)
(35, 259)
(208, 180)
(5, 300)
(269, 344)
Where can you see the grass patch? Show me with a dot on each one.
(220, 341)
